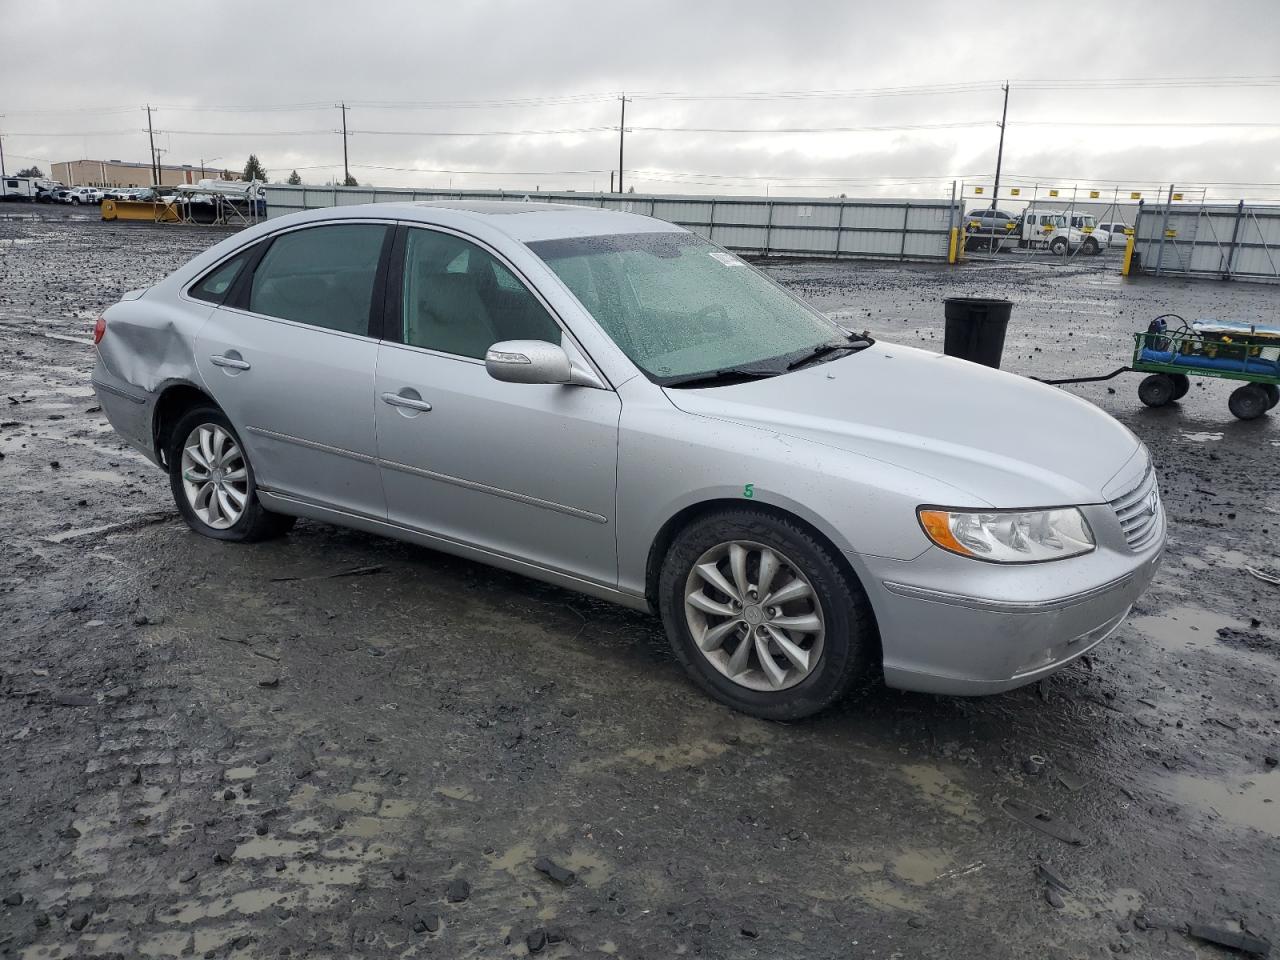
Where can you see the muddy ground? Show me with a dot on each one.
(216, 750)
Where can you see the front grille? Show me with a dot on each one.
(1139, 510)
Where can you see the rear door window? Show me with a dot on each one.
(321, 276)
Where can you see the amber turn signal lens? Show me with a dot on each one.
(937, 526)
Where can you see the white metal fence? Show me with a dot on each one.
(835, 228)
(1222, 240)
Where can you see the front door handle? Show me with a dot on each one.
(235, 363)
(411, 403)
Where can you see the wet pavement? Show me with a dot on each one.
(336, 745)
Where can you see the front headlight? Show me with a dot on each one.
(1009, 536)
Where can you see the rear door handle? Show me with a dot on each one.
(411, 403)
(233, 362)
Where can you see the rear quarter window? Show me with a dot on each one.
(217, 283)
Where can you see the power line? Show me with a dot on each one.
(487, 133)
(895, 128)
(940, 89)
(481, 173)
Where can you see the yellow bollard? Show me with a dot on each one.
(1128, 255)
(951, 247)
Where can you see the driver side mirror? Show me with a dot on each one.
(528, 361)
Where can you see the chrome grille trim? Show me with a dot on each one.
(1139, 524)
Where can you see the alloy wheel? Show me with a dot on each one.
(215, 477)
(754, 615)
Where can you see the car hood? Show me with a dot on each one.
(1006, 440)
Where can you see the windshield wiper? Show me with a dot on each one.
(720, 378)
(857, 341)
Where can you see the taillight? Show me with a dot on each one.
(99, 329)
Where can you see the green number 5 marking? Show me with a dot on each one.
(749, 490)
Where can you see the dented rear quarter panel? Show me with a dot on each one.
(148, 347)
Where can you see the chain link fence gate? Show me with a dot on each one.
(1049, 224)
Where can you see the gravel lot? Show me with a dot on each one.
(216, 750)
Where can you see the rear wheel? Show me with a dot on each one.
(1157, 390)
(213, 483)
(1249, 402)
(1181, 384)
(762, 617)
(1272, 392)
(1091, 246)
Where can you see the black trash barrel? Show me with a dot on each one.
(975, 328)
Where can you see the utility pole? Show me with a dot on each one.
(155, 172)
(622, 135)
(346, 170)
(995, 193)
(2, 158)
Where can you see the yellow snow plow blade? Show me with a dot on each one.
(139, 210)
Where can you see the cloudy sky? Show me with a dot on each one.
(266, 77)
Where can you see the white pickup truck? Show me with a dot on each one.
(79, 195)
(1048, 230)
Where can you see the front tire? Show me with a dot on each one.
(213, 483)
(1058, 247)
(1157, 390)
(762, 616)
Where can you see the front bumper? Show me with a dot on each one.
(957, 626)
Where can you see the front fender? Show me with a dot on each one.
(670, 460)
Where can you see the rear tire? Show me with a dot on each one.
(1181, 384)
(821, 641)
(1091, 247)
(1157, 390)
(213, 482)
(1272, 391)
(1249, 402)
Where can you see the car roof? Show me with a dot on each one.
(526, 221)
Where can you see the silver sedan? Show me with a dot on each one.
(615, 405)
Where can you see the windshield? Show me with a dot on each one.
(679, 306)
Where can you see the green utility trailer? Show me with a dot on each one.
(1171, 351)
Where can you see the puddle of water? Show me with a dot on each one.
(883, 893)
(307, 825)
(264, 847)
(241, 773)
(1252, 802)
(355, 803)
(591, 869)
(514, 859)
(677, 755)
(245, 902)
(164, 945)
(937, 787)
(365, 827)
(397, 809)
(457, 793)
(920, 866)
(1185, 628)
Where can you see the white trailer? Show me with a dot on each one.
(26, 188)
